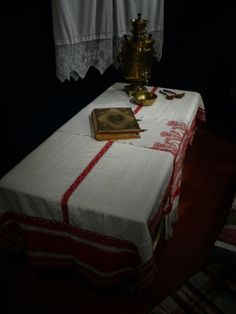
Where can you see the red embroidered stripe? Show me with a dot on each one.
(102, 259)
(201, 114)
(99, 279)
(85, 172)
(12, 219)
(80, 178)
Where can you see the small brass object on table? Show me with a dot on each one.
(136, 58)
(144, 98)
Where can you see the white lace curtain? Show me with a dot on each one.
(88, 32)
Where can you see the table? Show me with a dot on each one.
(75, 201)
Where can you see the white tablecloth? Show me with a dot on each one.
(117, 198)
(153, 118)
(169, 125)
(113, 190)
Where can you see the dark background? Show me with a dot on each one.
(198, 54)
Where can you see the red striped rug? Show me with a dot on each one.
(209, 291)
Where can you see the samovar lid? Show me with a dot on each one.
(138, 25)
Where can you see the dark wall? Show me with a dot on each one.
(199, 51)
(34, 103)
(27, 72)
(198, 54)
(28, 51)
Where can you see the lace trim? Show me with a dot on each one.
(73, 61)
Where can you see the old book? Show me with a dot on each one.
(115, 123)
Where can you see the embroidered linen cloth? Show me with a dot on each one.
(117, 198)
(98, 204)
(227, 237)
(169, 124)
(88, 33)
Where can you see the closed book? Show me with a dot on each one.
(115, 123)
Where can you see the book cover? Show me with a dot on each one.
(115, 123)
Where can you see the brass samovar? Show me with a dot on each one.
(136, 59)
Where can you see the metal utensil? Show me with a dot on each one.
(168, 96)
(176, 95)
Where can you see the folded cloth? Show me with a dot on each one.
(227, 238)
(205, 292)
(9, 242)
(225, 245)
